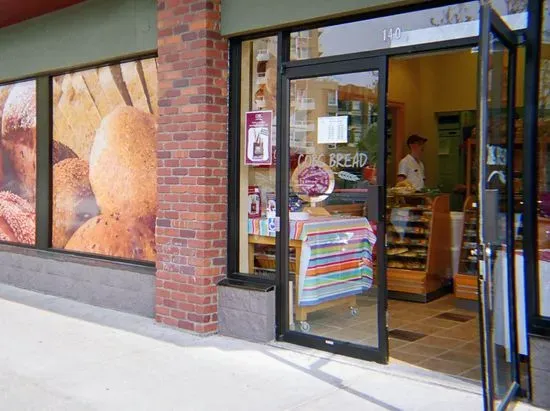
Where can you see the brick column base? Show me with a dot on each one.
(192, 163)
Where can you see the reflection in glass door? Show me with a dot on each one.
(335, 125)
(496, 225)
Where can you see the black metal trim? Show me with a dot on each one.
(536, 323)
(383, 342)
(510, 205)
(483, 87)
(43, 162)
(379, 64)
(335, 67)
(501, 29)
(233, 158)
(282, 184)
(343, 348)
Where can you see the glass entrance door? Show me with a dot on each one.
(497, 72)
(332, 166)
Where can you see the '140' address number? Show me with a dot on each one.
(392, 33)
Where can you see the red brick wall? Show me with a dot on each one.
(192, 163)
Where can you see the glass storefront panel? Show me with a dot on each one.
(426, 26)
(544, 169)
(18, 162)
(258, 153)
(334, 146)
(104, 180)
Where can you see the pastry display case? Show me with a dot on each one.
(465, 281)
(418, 246)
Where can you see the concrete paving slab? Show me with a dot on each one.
(59, 354)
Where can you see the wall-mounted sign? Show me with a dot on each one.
(258, 138)
(332, 130)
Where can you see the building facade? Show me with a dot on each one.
(148, 148)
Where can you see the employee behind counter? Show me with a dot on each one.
(411, 167)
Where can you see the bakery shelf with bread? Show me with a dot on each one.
(465, 281)
(104, 197)
(417, 245)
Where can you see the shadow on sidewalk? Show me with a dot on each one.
(147, 327)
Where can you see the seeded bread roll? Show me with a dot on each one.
(19, 136)
(17, 219)
(123, 163)
(114, 236)
(61, 152)
(73, 202)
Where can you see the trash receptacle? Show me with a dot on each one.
(246, 309)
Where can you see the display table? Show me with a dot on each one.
(333, 259)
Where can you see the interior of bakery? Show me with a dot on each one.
(431, 274)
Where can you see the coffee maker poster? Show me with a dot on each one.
(258, 138)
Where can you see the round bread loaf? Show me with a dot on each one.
(123, 163)
(73, 202)
(61, 152)
(19, 136)
(114, 236)
(17, 219)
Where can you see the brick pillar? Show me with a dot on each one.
(192, 163)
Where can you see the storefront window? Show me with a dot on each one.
(425, 26)
(18, 162)
(258, 153)
(104, 163)
(544, 170)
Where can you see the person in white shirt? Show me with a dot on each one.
(411, 167)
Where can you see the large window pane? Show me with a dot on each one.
(104, 162)
(18, 162)
(544, 170)
(425, 26)
(257, 165)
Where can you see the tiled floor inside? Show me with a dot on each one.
(440, 335)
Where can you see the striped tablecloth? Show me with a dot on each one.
(336, 259)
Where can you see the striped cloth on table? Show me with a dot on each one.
(337, 254)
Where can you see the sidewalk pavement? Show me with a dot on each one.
(58, 354)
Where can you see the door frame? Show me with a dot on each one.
(284, 63)
(492, 24)
(288, 74)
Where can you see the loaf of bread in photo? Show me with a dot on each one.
(115, 236)
(73, 202)
(17, 219)
(123, 163)
(19, 136)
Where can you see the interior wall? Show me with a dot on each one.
(428, 84)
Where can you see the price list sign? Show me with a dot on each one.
(332, 130)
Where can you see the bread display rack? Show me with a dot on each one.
(418, 246)
(465, 281)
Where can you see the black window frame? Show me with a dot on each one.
(44, 166)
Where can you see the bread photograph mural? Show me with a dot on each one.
(104, 164)
(18, 162)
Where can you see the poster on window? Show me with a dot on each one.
(258, 138)
(104, 160)
(18, 162)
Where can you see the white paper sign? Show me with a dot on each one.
(332, 130)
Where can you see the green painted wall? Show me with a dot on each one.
(244, 16)
(92, 31)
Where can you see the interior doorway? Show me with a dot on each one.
(432, 269)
